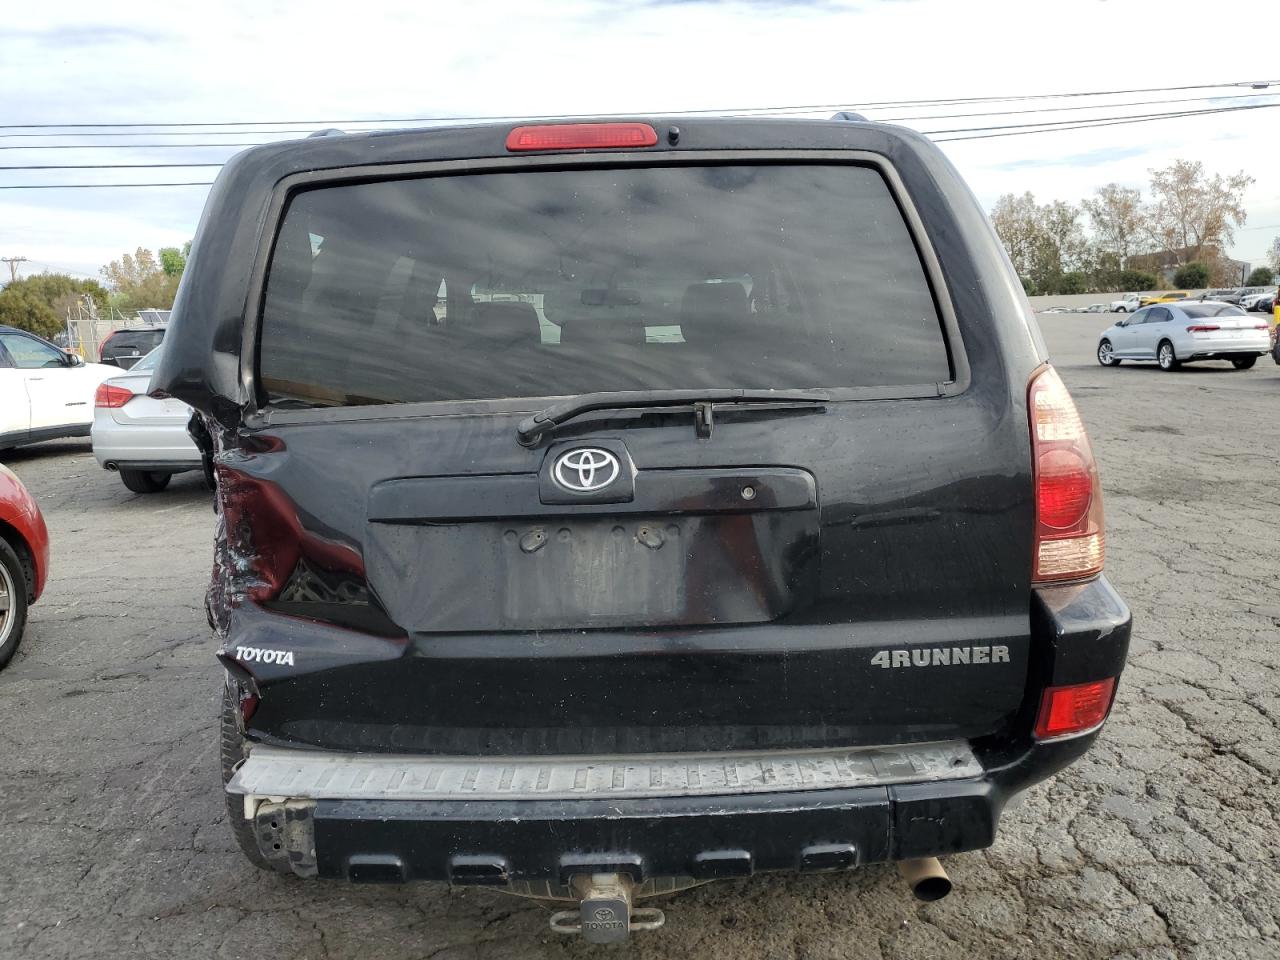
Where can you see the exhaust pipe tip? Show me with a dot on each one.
(927, 879)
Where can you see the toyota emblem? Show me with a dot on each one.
(586, 469)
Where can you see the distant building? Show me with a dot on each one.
(1165, 263)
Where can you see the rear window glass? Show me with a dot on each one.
(147, 363)
(135, 338)
(555, 283)
(1212, 310)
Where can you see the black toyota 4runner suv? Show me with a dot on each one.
(610, 507)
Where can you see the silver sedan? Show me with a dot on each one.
(1174, 334)
(143, 439)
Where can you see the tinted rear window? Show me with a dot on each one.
(553, 283)
(137, 338)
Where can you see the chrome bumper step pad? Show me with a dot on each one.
(322, 775)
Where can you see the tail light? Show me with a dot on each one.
(1069, 538)
(1065, 711)
(1203, 328)
(581, 136)
(102, 348)
(111, 395)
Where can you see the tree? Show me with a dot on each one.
(1073, 282)
(140, 281)
(1194, 213)
(1192, 276)
(1064, 243)
(39, 303)
(1115, 213)
(1136, 280)
(1260, 277)
(1016, 220)
(1273, 255)
(172, 262)
(1043, 242)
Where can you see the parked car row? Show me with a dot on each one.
(1250, 298)
(45, 392)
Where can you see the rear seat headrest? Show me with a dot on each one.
(505, 324)
(709, 311)
(602, 333)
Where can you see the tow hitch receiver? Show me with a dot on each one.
(605, 913)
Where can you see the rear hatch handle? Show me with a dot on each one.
(532, 429)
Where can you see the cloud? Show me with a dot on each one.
(80, 37)
(1091, 159)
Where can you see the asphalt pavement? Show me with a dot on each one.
(1163, 842)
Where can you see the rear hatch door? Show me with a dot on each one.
(846, 569)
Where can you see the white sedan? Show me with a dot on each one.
(1173, 334)
(45, 393)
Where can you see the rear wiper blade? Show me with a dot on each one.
(533, 428)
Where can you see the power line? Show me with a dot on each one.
(1085, 125)
(794, 108)
(95, 186)
(1090, 106)
(1044, 126)
(192, 133)
(1008, 130)
(108, 166)
(135, 146)
(242, 145)
(1126, 118)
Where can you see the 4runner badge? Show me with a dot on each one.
(254, 655)
(940, 656)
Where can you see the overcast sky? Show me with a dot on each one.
(74, 62)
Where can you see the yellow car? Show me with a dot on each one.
(1163, 298)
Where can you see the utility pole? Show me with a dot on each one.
(13, 266)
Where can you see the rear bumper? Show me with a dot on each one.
(143, 446)
(538, 816)
(1220, 348)
(703, 836)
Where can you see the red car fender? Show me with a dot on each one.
(20, 514)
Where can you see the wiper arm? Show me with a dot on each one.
(533, 428)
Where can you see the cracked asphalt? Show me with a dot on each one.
(1161, 843)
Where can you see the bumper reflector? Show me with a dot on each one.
(1075, 709)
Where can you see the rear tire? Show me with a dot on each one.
(232, 751)
(1243, 363)
(13, 601)
(1106, 355)
(145, 481)
(1165, 356)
